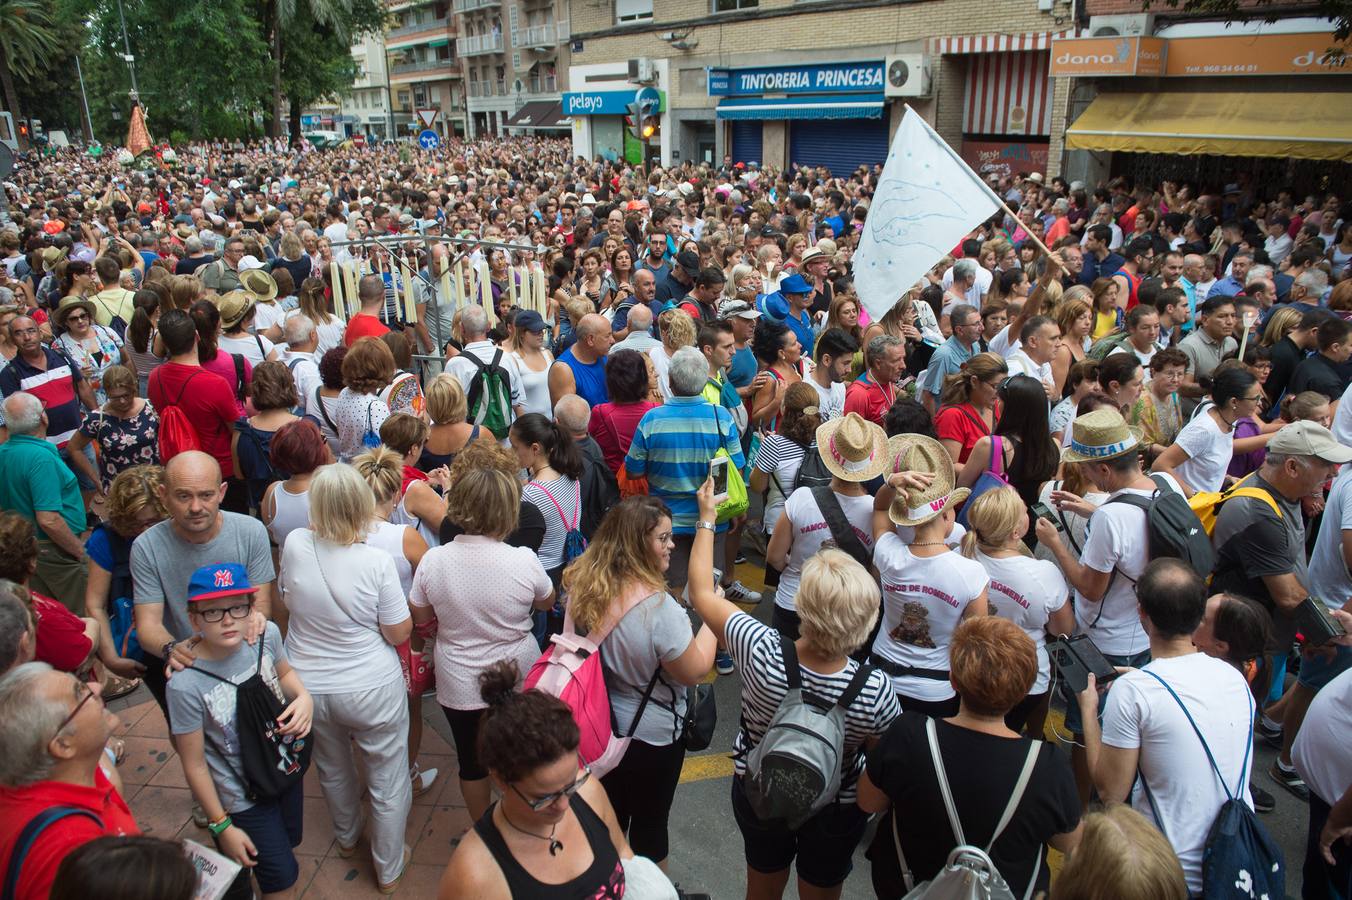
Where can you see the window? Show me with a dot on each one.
(403, 98)
(633, 11)
(734, 5)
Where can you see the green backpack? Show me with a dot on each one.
(1107, 344)
(490, 395)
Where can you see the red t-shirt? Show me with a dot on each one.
(869, 399)
(612, 426)
(18, 806)
(963, 424)
(362, 325)
(62, 643)
(209, 403)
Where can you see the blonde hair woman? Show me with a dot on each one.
(619, 584)
(1282, 322)
(479, 593)
(311, 303)
(1029, 592)
(450, 433)
(382, 470)
(348, 614)
(1121, 856)
(677, 330)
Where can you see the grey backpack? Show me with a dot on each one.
(795, 769)
(969, 873)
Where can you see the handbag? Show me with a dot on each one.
(738, 501)
(701, 717)
(969, 873)
(993, 477)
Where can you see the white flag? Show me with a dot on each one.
(927, 200)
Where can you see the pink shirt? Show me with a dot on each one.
(613, 426)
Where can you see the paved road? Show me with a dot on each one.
(707, 846)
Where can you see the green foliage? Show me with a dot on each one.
(28, 36)
(1340, 11)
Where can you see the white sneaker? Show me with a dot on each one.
(422, 779)
(740, 593)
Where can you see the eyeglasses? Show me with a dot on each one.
(238, 611)
(1253, 399)
(542, 802)
(76, 711)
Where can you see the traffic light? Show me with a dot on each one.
(641, 119)
(23, 128)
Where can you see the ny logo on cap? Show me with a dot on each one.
(225, 578)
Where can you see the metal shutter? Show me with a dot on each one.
(746, 142)
(839, 144)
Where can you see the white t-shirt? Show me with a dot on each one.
(781, 459)
(1027, 591)
(1116, 541)
(253, 347)
(1320, 751)
(980, 287)
(304, 372)
(330, 333)
(831, 401)
(1329, 578)
(267, 314)
(1005, 342)
(1342, 419)
(1141, 714)
(923, 602)
(1145, 358)
(357, 416)
(1209, 452)
(1021, 363)
(334, 640)
(810, 532)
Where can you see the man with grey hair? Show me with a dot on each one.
(672, 447)
(56, 728)
(600, 490)
(18, 630)
(872, 394)
(479, 358)
(39, 486)
(302, 340)
(195, 256)
(975, 280)
(640, 335)
(949, 358)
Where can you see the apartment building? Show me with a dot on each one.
(514, 53)
(424, 69)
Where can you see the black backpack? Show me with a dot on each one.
(813, 472)
(115, 322)
(1173, 528)
(273, 762)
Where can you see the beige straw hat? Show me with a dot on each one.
(918, 453)
(1101, 435)
(853, 448)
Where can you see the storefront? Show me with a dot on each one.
(1006, 99)
(828, 114)
(597, 120)
(1200, 102)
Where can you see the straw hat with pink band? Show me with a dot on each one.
(918, 453)
(853, 448)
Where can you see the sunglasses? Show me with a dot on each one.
(540, 803)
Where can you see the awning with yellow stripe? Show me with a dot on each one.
(1295, 125)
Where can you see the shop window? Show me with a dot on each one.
(734, 5)
(633, 11)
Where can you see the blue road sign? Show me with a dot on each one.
(429, 139)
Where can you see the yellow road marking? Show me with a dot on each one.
(704, 768)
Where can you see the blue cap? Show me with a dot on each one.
(530, 320)
(795, 284)
(218, 580)
(776, 307)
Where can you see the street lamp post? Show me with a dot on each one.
(84, 101)
(126, 55)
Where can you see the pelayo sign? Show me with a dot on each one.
(828, 78)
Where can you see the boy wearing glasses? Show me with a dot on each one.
(258, 835)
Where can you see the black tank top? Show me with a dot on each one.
(603, 879)
(428, 460)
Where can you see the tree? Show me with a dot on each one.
(27, 37)
(1340, 11)
(311, 57)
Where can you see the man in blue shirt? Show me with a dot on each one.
(790, 305)
(950, 356)
(1099, 261)
(1233, 284)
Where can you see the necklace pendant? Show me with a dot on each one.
(555, 845)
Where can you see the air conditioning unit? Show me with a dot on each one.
(642, 71)
(908, 75)
(1133, 25)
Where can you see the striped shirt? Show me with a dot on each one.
(559, 501)
(673, 446)
(755, 647)
(55, 386)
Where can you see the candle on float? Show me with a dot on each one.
(457, 277)
(410, 298)
(541, 298)
(511, 284)
(486, 292)
(336, 286)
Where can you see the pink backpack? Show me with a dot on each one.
(571, 670)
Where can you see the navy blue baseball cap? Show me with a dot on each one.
(530, 320)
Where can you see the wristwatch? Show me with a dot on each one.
(218, 827)
(167, 650)
(709, 525)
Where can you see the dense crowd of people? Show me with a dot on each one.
(292, 521)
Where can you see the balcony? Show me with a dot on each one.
(423, 65)
(480, 89)
(442, 25)
(468, 6)
(550, 35)
(478, 45)
(542, 84)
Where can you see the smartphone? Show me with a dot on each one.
(718, 471)
(1315, 624)
(1042, 511)
(1076, 658)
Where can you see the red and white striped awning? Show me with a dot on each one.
(1008, 93)
(994, 43)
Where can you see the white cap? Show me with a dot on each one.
(249, 262)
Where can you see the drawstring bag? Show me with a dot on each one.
(993, 477)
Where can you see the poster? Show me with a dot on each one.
(1004, 158)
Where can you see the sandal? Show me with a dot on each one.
(118, 747)
(115, 686)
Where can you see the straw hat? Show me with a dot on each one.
(918, 453)
(50, 256)
(69, 305)
(260, 285)
(1101, 435)
(853, 448)
(234, 307)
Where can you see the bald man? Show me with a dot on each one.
(581, 369)
(197, 533)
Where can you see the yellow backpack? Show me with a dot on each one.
(1206, 504)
